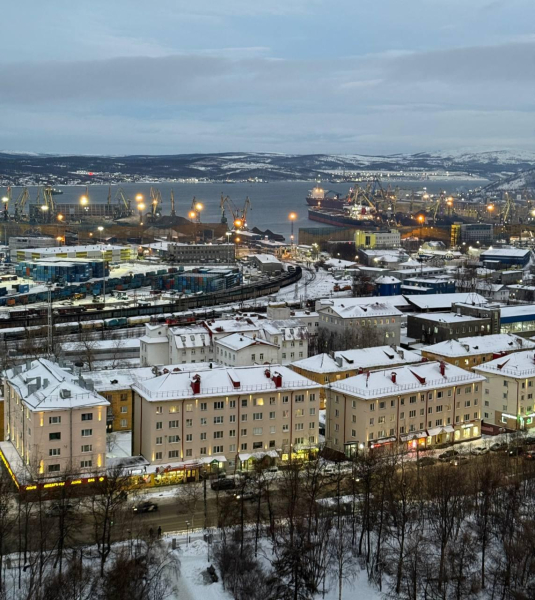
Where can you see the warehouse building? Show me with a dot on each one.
(189, 254)
(105, 252)
(499, 258)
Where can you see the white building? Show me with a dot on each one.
(237, 350)
(107, 252)
(267, 263)
(162, 345)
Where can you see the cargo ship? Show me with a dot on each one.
(357, 215)
(319, 198)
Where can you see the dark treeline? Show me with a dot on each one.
(436, 532)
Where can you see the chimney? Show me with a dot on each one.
(45, 383)
(267, 373)
(277, 380)
(443, 368)
(65, 393)
(196, 384)
(361, 370)
(32, 388)
(28, 364)
(394, 377)
(339, 360)
(38, 383)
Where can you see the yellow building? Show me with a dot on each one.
(377, 239)
(470, 352)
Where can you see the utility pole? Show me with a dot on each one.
(50, 323)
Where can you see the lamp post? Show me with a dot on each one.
(421, 220)
(292, 216)
(5, 201)
(141, 207)
(187, 533)
(228, 234)
(100, 230)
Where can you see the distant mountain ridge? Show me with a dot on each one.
(18, 168)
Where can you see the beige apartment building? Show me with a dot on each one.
(419, 405)
(55, 425)
(225, 415)
(509, 388)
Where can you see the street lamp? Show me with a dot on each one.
(139, 197)
(228, 234)
(187, 532)
(421, 220)
(84, 200)
(292, 216)
(141, 207)
(100, 229)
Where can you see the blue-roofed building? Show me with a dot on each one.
(497, 258)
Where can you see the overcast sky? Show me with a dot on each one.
(303, 76)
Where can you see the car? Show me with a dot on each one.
(145, 507)
(57, 509)
(515, 450)
(460, 459)
(223, 484)
(250, 495)
(426, 461)
(529, 455)
(448, 455)
(498, 447)
(273, 469)
(479, 450)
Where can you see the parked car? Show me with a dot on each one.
(56, 509)
(145, 507)
(250, 495)
(479, 450)
(223, 484)
(460, 459)
(427, 461)
(498, 447)
(448, 455)
(515, 450)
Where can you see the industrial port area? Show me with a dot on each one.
(267, 301)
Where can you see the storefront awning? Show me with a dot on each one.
(258, 455)
(439, 430)
(414, 435)
(387, 440)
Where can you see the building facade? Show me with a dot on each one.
(56, 425)
(377, 239)
(201, 253)
(421, 405)
(223, 412)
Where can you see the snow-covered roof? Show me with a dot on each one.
(222, 381)
(399, 380)
(365, 358)
(507, 312)
(66, 249)
(436, 301)
(337, 263)
(194, 337)
(236, 325)
(43, 385)
(348, 309)
(387, 279)
(266, 258)
(237, 341)
(447, 317)
(482, 344)
(397, 301)
(119, 344)
(517, 364)
(506, 252)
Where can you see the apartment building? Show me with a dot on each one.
(339, 315)
(162, 345)
(508, 396)
(468, 352)
(420, 405)
(201, 253)
(432, 328)
(55, 424)
(238, 350)
(224, 414)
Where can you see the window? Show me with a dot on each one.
(257, 416)
(189, 437)
(53, 468)
(189, 423)
(219, 405)
(87, 416)
(232, 433)
(243, 446)
(312, 412)
(285, 399)
(158, 456)
(204, 406)
(203, 421)
(438, 408)
(124, 423)
(382, 405)
(217, 449)
(244, 417)
(272, 415)
(54, 436)
(401, 416)
(372, 407)
(174, 424)
(218, 420)
(258, 402)
(158, 425)
(85, 464)
(243, 432)
(232, 419)
(87, 432)
(87, 448)
(54, 420)
(173, 454)
(244, 402)
(412, 399)
(272, 400)
(159, 410)
(54, 452)
(124, 409)
(300, 412)
(257, 430)
(159, 441)
(232, 403)
(299, 426)
(312, 397)
(218, 435)
(189, 407)
(412, 414)
(203, 435)
(299, 397)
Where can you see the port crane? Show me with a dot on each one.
(239, 215)
(123, 208)
(20, 204)
(156, 200)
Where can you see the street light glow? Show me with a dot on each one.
(84, 200)
(199, 206)
(5, 199)
(44, 207)
(141, 206)
(100, 228)
(292, 216)
(139, 197)
(60, 217)
(191, 214)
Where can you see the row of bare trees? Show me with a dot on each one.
(434, 532)
(72, 546)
